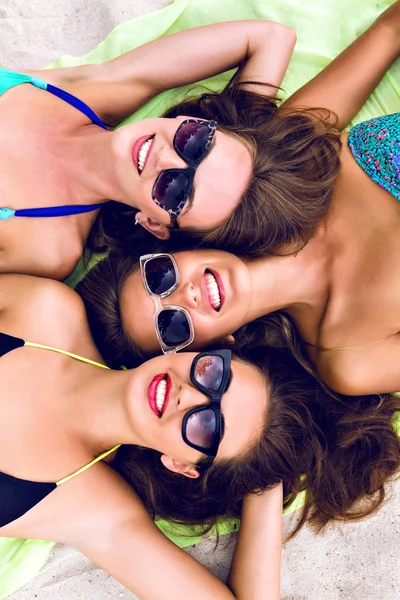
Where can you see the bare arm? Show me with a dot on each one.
(117, 88)
(135, 550)
(104, 519)
(255, 571)
(345, 85)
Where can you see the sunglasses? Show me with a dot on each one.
(203, 427)
(172, 187)
(173, 324)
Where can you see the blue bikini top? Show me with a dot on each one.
(10, 79)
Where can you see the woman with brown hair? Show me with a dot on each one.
(295, 148)
(203, 431)
(202, 172)
(335, 280)
(74, 161)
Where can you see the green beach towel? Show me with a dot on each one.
(323, 30)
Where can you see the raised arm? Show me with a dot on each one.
(347, 82)
(137, 550)
(256, 564)
(117, 88)
(103, 518)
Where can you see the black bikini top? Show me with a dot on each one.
(17, 496)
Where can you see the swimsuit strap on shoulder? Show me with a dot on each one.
(89, 362)
(66, 353)
(10, 79)
(86, 467)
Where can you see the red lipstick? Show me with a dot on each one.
(152, 393)
(135, 151)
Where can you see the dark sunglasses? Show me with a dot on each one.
(203, 427)
(172, 187)
(173, 324)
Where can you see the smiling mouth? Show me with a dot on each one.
(215, 289)
(158, 394)
(141, 151)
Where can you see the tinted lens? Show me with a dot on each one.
(173, 327)
(191, 140)
(160, 274)
(209, 372)
(170, 189)
(200, 428)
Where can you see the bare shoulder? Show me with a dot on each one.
(25, 289)
(49, 250)
(340, 372)
(371, 369)
(34, 301)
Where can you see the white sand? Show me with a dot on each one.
(353, 562)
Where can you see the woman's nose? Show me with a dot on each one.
(185, 295)
(167, 158)
(189, 397)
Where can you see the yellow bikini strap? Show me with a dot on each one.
(89, 362)
(66, 353)
(86, 467)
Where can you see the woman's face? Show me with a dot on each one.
(219, 182)
(214, 288)
(243, 407)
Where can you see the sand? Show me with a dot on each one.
(350, 562)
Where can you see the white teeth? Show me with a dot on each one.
(160, 394)
(144, 148)
(213, 290)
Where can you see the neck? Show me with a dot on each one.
(289, 282)
(87, 165)
(97, 408)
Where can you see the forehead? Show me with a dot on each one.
(219, 184)
(244, 407)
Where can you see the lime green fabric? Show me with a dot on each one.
(323, 29)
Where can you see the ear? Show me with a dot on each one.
(177, 467)
(160, 231)
(229, 339)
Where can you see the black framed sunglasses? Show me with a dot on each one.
(192, 141)
(203, 426)
(173, 324)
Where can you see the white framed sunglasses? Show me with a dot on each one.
(173, 324)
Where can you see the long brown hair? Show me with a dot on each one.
(342, 451)
(295, 164)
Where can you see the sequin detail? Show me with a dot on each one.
(375, 145)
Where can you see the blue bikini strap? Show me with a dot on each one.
(48, 211)
(69, 98)
(54, 211)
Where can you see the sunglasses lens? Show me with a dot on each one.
(160, 274)
(170, 189)
(173, 327)
(200, 428)
(209, 372)
(191, 140)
